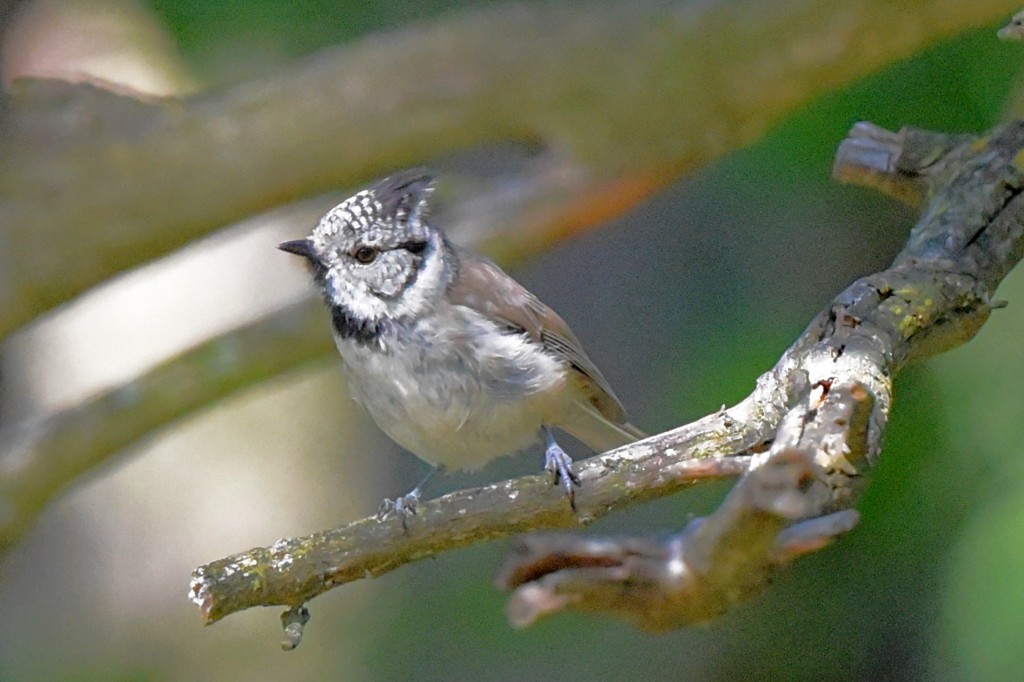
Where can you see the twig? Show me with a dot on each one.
(292, 571)
(1014, 30)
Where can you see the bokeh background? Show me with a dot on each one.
(682, 301)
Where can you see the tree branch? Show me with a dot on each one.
(718, 561)
(935, 296)
(821, 411)
(42, 458)
(93, 183)
(292, 571)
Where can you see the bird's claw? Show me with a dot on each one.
(403, 507)
(560, 464)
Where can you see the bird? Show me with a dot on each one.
(451, 357)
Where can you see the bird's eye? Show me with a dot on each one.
(365, 254)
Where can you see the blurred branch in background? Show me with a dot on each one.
(108, 182)
(95, 183)
(821, 413)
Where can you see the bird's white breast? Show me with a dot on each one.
(455, 389)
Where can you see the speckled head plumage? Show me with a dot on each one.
(368, 251)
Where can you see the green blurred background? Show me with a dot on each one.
(688, 298)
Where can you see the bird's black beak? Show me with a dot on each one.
(300, 247)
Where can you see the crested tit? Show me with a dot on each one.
(453, 359)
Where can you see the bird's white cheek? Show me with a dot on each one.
(352, 296)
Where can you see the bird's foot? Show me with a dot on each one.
(560, 464)
(403, 507)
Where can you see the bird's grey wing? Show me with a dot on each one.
(484, 287)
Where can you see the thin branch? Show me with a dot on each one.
(93, 183)
(1014, 30)
(873, 157)
(822, 410)
(718, 561)
(292, 571)
(41, 458)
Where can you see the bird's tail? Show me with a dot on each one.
(599, 433)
